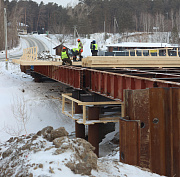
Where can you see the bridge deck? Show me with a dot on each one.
(111, 62)
(42, 62)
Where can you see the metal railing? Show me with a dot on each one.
(168, 52)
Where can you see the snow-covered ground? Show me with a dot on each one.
(27, 107)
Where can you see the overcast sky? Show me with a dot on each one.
(59, 2)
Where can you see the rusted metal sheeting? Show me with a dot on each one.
(165, 131)
(55, 74)
(101, 82)
(71, 76)
(38, 69)
(112, 85)
(158, 110)
(137, 108)
(129, 141)
(175, 134)
(24, 68)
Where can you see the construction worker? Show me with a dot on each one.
(94, 48)
(65, 57)
(80, 47)
(75, 52)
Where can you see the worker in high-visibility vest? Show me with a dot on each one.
(80, 47)
(94, 48)
(65, 57)
(75, 52)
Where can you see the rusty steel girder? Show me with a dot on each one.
(112, 84)
(106, 83)
(68, 75)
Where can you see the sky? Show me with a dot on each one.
(64, 3)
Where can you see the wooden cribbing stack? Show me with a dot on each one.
(135, 61)
(132, 61)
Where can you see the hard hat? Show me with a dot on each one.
(64, 47)
(78, 40)
(81, 50)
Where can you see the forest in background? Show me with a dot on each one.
(92, 16)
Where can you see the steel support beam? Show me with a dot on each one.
(105, 83)
(93, 130)
(79, 128)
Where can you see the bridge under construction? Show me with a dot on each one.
(142, 93)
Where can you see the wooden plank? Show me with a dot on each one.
(67, 95)
(42, 62)
(101, 103)
(126, 61)
(36, 63)
(109, 58)
(84, 104)
(17, 61)
(132, 58)
(78, 63)
(84, 114)
(72, 108)
(92, 122)
(133, 66)
(137, 62)
(63, 104)
(109, 118)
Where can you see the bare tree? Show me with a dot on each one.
(21, 116)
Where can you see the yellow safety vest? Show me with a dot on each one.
(75, 49)
(96, 47)
(79, 45)
(64, 55)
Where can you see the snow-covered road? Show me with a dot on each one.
(25, 42)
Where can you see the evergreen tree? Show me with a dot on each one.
(92, 16)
